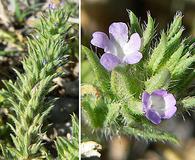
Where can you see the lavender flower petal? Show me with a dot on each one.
(100, 40)
(170, 103)
(118, 32)
(145, 101)
(153, 116)
(170, 100)
(133, 58)
(159, 92)
(169, 112)
(134, 43)
(109, 61)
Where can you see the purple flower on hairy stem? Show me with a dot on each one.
(118, 48)
(158, 105)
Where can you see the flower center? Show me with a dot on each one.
(157, 103)
(117, 47)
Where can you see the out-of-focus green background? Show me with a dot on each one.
(97, 15)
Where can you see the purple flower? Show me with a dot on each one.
(158, 105)
(52, 6)
(118, 48)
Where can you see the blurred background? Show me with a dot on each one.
(97, 15)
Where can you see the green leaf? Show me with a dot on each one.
(174, 59)
(150, 134)
(182, 66)
(112, 114)
(157, 54)
(148, 34)
(123, 83)
(75, 126)
(134, 23)
(173, 44)
(102, 76)
(175, 26)
(68, 149)
(188, 102)
(95, 111)
(1, 98)
(184, 81)
(158, 81)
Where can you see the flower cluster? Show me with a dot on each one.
(119, 49)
